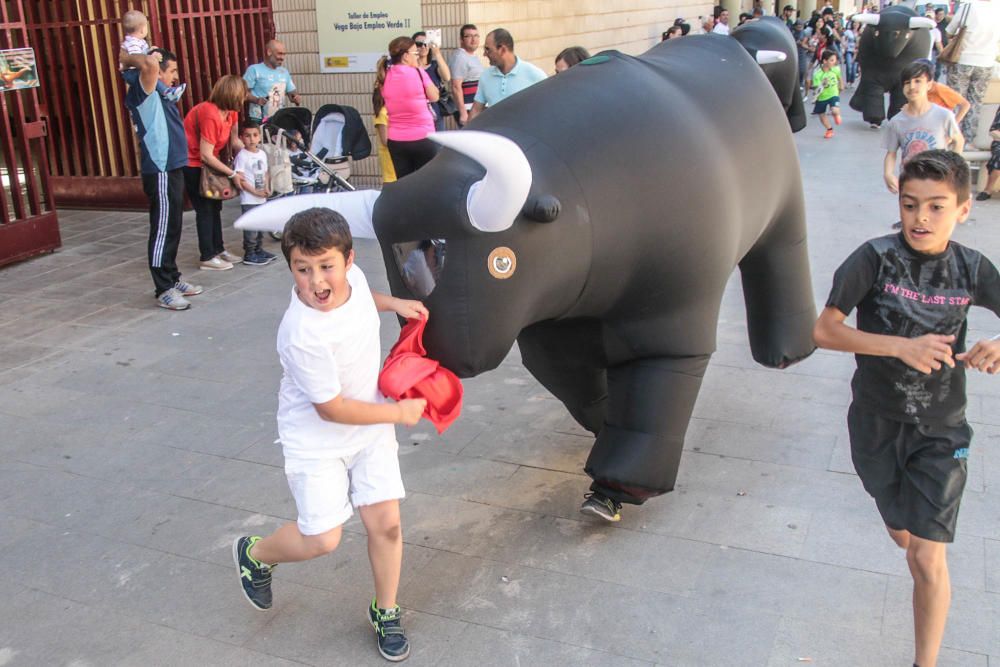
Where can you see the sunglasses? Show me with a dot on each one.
(420, 45)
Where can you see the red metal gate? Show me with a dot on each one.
(94, 156)
(28, 223)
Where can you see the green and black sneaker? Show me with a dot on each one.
(598, 504)
(254, 575)
(392, 641)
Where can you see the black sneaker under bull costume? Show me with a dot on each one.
(595, 219)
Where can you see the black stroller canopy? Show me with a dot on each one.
(353, 138)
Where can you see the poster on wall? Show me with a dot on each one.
(17, 69)
(354, 34)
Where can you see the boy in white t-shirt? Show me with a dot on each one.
(335, 426)
(255, 187)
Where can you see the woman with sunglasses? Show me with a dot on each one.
(408, 93)
(437, 69)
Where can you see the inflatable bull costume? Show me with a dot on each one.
(891, 40)
(595, 218)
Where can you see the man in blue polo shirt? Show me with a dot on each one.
(508, 74)
(163, 150)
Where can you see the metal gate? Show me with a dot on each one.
(93, 151)
(28, 223)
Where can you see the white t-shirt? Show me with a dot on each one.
(982, 32)
(253, 167)
(325, 355)
(721, 29)
(915, 134)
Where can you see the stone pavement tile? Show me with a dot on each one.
(462, 431)
(443, 474)
(573, 547)
(790, 486)
(488, 647)
(822, 594)
(992, 556)
(776, 445)
(647, 625)
(118, 317)
(67, 335)
(238, 484)
(41, 629)
(835, 647)
(13, 528)
(860, 541)
(989, 412)
(978, 515)
(973, 619)
(529, 446)
(774, 384)
(16, 306)
(14, 354)
(264, 449)
(840, 457)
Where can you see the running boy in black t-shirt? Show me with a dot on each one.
(909, 437)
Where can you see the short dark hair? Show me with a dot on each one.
(938, 165)
(467, 26)
(826, 54)
(314, 231)
(574, 55)
(788, 8)
(915, 69)
(685, 29)
(418, 34)
(502, 38)
(165, 57)
(249, 125)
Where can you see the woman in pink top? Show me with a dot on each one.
(407, 91)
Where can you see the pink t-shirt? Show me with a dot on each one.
(406, 102)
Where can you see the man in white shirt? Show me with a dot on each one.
(970, 76)
(466, 68)
(722, 27)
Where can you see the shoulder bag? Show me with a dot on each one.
(953, 50)
(216, 184)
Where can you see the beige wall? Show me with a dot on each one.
(541, 28)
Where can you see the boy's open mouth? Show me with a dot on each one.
(323, 296)
(920, 232)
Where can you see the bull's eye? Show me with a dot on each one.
(502, 263)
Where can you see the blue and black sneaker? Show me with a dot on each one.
(254, 575)
(269, 256)
(392, 641)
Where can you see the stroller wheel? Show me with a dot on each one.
(275, 235)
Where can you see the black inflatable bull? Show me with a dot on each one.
(892, 40)
(595, 218)
(771, 34)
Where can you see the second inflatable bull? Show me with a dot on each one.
(595, 218)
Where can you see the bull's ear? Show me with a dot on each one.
(542, 208)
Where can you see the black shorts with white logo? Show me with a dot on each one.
(915, 472)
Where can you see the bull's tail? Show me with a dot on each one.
(777, 289)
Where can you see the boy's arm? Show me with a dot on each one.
(405, 308)
(925, 354)
(360, 413)
(957, 142)
(889, 172)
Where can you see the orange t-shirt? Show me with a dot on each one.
(943, 96)
(203, 120)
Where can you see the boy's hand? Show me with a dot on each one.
(410, 410)
(927, 353)
(984, 356)
(892, 183)
(410, 309)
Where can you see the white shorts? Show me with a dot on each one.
(325, 489)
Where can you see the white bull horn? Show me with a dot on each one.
(356, 207)
(866, 19)
(768, 57)
(921, 22)
(495, 201)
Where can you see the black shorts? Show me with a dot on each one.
(915, 472)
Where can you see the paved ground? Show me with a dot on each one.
(137, 443)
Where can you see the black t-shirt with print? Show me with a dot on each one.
(901, 292)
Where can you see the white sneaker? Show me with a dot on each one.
(172, 299)
(187, 289)
(215, 264)
(227, 256)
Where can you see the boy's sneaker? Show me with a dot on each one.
(215, 264)
(828, 134)
(172, 299)
(392, 641)
(254, 575)
(254, 258)
(600, 505)
(187, 289)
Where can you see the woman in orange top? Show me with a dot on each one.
(209, 126)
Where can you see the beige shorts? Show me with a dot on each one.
(327, 490)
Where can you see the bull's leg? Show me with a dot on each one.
(869, 100)
(638, 450)
(896, 100)
(777, 290)
(568, 359)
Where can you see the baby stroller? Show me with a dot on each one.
(320, 148)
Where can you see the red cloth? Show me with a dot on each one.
(204, 122)
(408, 373)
